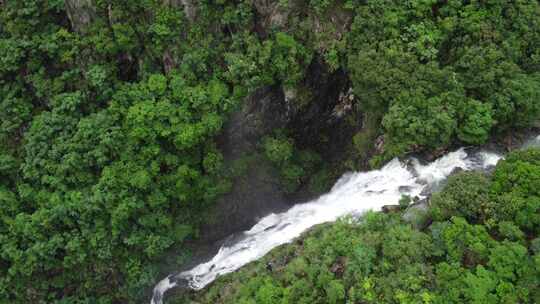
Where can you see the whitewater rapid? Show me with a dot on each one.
(353, 193)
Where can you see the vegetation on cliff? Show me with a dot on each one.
(110, 114)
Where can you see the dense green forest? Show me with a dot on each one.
(482, 246)
(112, 112)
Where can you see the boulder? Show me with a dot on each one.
(391, 208)
(379, 145)
(418, 214)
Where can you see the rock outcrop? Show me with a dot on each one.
(258, 190)
(418, 214)
(273, 14)
(189, 6)
(80, 13)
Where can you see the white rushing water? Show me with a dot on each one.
(534, 142)
(354, 193)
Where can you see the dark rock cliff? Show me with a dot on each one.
(258, 190)
(255, 191)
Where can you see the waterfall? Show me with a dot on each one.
(353, 194)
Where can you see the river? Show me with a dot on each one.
(353, 194)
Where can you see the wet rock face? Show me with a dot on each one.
(253, 196)
(271, 13)
(261, 113)
(326, 113)
(257, 191)
(80, 13)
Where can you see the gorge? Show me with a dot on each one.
(353, 194)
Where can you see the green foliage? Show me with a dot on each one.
(404, 201)
(278, 151)
(476, 121)
(105, 160)
(278, 60)
(108, 155)
(515, 190)
(439, 72)
(464, 195)
(320, 6)
(293, 165)
(421, 119)
(335, 292)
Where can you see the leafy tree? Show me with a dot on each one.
(464, 195)
(421, 119)
(515, 189)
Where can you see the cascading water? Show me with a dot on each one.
(354, 193)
